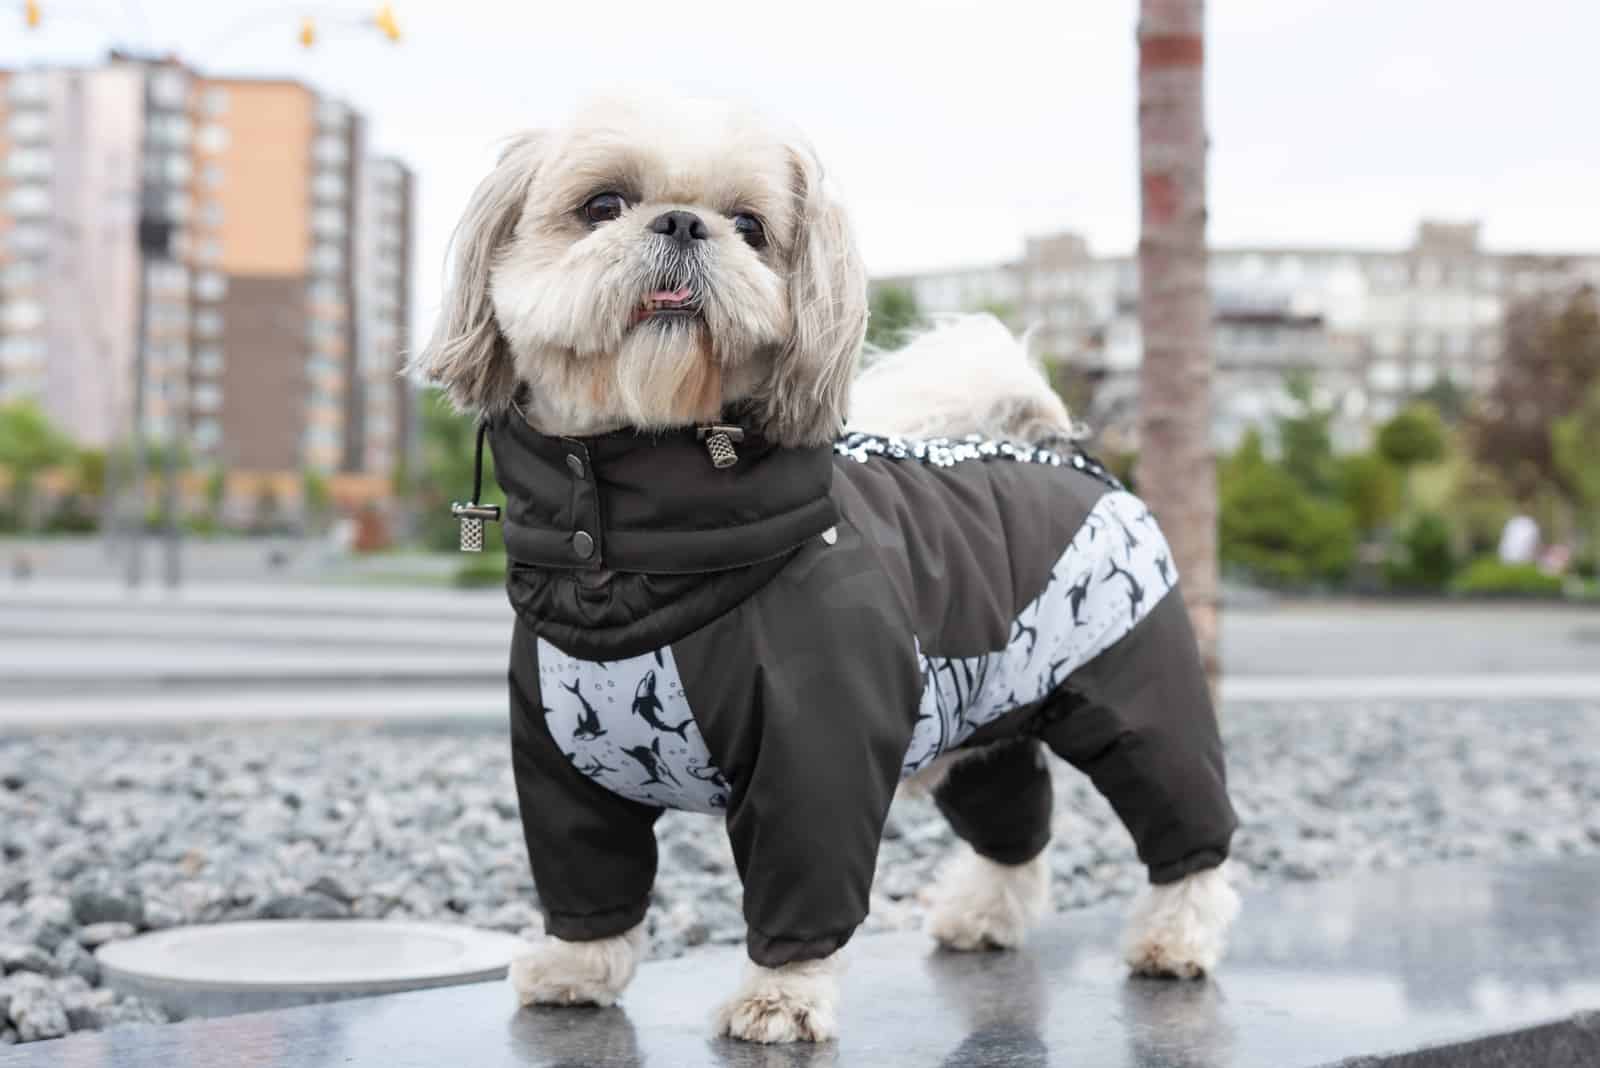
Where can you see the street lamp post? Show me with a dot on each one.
(155, 243)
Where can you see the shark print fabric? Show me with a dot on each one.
(1115, 570)
(626, 725)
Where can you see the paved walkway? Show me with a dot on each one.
(77, 652)
(1505, 961)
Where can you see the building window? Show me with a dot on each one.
(19, 275)
(178, 207)
(28, 125)
(211, 214)
(212, 175)
(168, 129)
(211, 285)
(28, 163)
(177, 169)
(207, 434)
(213, 138)
(26, 200)
(21, 314)
(206, 396)
(328, 222)
(20, 350)
(332, 113)
(328, 186)
(208, 360)
(330, 150)
(208, 250)
(28, 238)
(208, 323)
(327, 258)
(323, 291)
(169, 88)
(214, 102)
(29, 87)
(168, 276)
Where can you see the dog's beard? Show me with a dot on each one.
(597, 357)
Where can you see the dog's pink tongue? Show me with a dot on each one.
(673, 296)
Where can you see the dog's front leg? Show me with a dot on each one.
(558, 972)
(790, 1003)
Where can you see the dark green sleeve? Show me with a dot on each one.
(593, 852)
(1138, 720)
(810, 724)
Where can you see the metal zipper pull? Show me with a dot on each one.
(472, 515)
(720, 440)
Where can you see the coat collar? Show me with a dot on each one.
(655, 502)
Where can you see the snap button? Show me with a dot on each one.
(583, 544)
(575, 464)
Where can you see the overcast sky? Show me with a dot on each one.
(958, 126)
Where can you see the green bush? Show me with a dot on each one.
(1275, 532)
(1425, 559)
(1370, 487)
(482, 572)
(1488, 577)
(73, 516)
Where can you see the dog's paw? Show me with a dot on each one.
(794, 1003)
(979, 904)
(1179, 931)
(577, 973)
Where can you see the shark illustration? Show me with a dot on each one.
(650, 760)
(1020, 630)
(647, 706)
(593, 767)
(1127, 535)
(1135, 591)
(1075, 595)
(1164, 565)
(589, 722)
(710, 775)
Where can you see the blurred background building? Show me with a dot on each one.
(1372, 327)
(278, 323)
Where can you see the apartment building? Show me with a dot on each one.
(1373, 327)
(276, 321)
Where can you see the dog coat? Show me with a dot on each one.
(781, 640)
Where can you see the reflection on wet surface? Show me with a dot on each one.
(1317, 973)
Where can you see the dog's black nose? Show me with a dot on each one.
(682, 226)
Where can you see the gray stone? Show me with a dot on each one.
(95, 935)
(37, 1013)
(302, 907)
(16, 957)
(73, 959)
(328, 886)
(102, 905)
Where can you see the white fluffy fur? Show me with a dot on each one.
(979, 904)
(967, 375)
(794, 1003)
(1180, 929)
(577, 973)
(543, 297)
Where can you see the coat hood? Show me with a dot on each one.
(625, 541)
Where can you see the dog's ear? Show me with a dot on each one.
(805, 396)
(467, 355)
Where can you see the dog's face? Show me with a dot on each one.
(647, 265)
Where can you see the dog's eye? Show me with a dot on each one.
(604, 207)
(749, 227)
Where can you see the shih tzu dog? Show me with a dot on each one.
(726, 602)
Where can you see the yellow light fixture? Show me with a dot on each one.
(386, 22)
(308, 33)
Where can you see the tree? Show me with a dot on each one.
(1550, 359)
(1575, 447)
(1370, 489)
(1305, 438)
(29, 443)
(893, 316)
(1414, 436)
(447, 440)
(1177, 470)
(1274, 531)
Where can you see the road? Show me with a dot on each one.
(82, 652)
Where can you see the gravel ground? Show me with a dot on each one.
(103, 835)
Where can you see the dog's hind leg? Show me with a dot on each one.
(998, 800)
